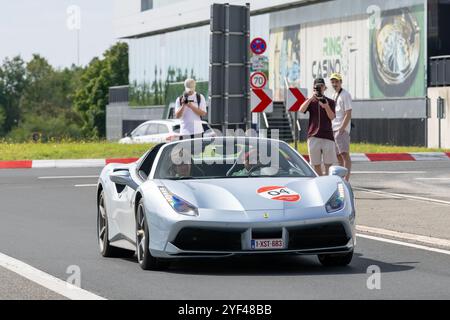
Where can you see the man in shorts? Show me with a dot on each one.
(343, 123)
(321, 145)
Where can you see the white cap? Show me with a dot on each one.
(189, 85)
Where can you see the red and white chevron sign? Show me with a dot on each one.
(262, 101)
(295, 98)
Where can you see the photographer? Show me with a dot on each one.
(190, 108)
(321, 145)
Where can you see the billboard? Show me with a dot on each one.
(397, 54)
(341, 47)
(284, 57)
(377, 60)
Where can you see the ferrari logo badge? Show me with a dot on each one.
(266, 216)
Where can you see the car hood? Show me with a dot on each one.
(253, 194)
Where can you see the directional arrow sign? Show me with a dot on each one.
(262, 101)
(295, 98)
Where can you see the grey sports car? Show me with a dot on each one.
(220, 197)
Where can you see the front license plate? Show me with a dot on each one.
(269, 244)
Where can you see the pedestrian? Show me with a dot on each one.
(321, 144)
(190, 108)
(343, 123)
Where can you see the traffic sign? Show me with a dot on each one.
(295, 98)
(258, 80)
(258, 46)
(259, 63)
(261, 101)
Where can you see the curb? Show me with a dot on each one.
(62, 164)
(99, 163)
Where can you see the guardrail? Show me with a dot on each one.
(439, 71)
(119, 94)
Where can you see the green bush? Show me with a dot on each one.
(48, 129)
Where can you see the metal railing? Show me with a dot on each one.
(119, 94)
(439, 71)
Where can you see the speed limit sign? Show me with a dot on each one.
(258, 80)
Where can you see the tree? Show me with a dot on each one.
(92, 95)
(12, 85)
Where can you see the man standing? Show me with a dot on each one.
(342, 124)
(321, 145)
(190, 108)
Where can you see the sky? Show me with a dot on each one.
(41, 26)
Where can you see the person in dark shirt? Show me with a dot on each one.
(321, 144)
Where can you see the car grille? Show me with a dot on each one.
(195, 239)
(317, 237)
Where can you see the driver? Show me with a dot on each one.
(179, 167)
(250, 165)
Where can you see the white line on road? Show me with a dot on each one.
(67, 177)
(389, 172)
(45, 280)
(85, 185)
(404, 196)
(405, 244)
(404, 236)
(433, 179)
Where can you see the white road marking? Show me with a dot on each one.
(405, 244)
(433, 179)
(85, 185)
(389, 172)
(404, 196)
(67, 177)
(45, 280)
(405, 236)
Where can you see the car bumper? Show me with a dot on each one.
(193, 237)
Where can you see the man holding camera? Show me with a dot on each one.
(321, 145)
(343, 122)
(190, 108)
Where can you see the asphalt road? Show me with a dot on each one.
(50, 225)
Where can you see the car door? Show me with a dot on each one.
(139, 135)
(151, 136)
(139, 174)
(163, 132)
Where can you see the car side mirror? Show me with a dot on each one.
(338, 171)
(123, 178)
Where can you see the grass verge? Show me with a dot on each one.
(102, 150)
(69, 150)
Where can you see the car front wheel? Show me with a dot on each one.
(145, 259)
(336, 260)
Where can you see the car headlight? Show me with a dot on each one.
(179, 205)
(337, 201)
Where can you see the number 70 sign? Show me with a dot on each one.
(258, 80)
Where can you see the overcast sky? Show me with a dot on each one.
(40, 26)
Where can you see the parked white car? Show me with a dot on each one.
(160, 131)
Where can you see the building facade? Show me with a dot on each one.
(380, 47)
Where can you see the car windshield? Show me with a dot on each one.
(228, 158)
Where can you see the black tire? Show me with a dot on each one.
(106, 249)
(145, 259)
(336, 260)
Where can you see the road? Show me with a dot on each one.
(49, 224)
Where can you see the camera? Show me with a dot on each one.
(186, 99)
(319, 94)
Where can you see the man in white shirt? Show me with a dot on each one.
(342, 123)
(190, 108)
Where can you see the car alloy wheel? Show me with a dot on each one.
(102, 224)
(141, 239)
